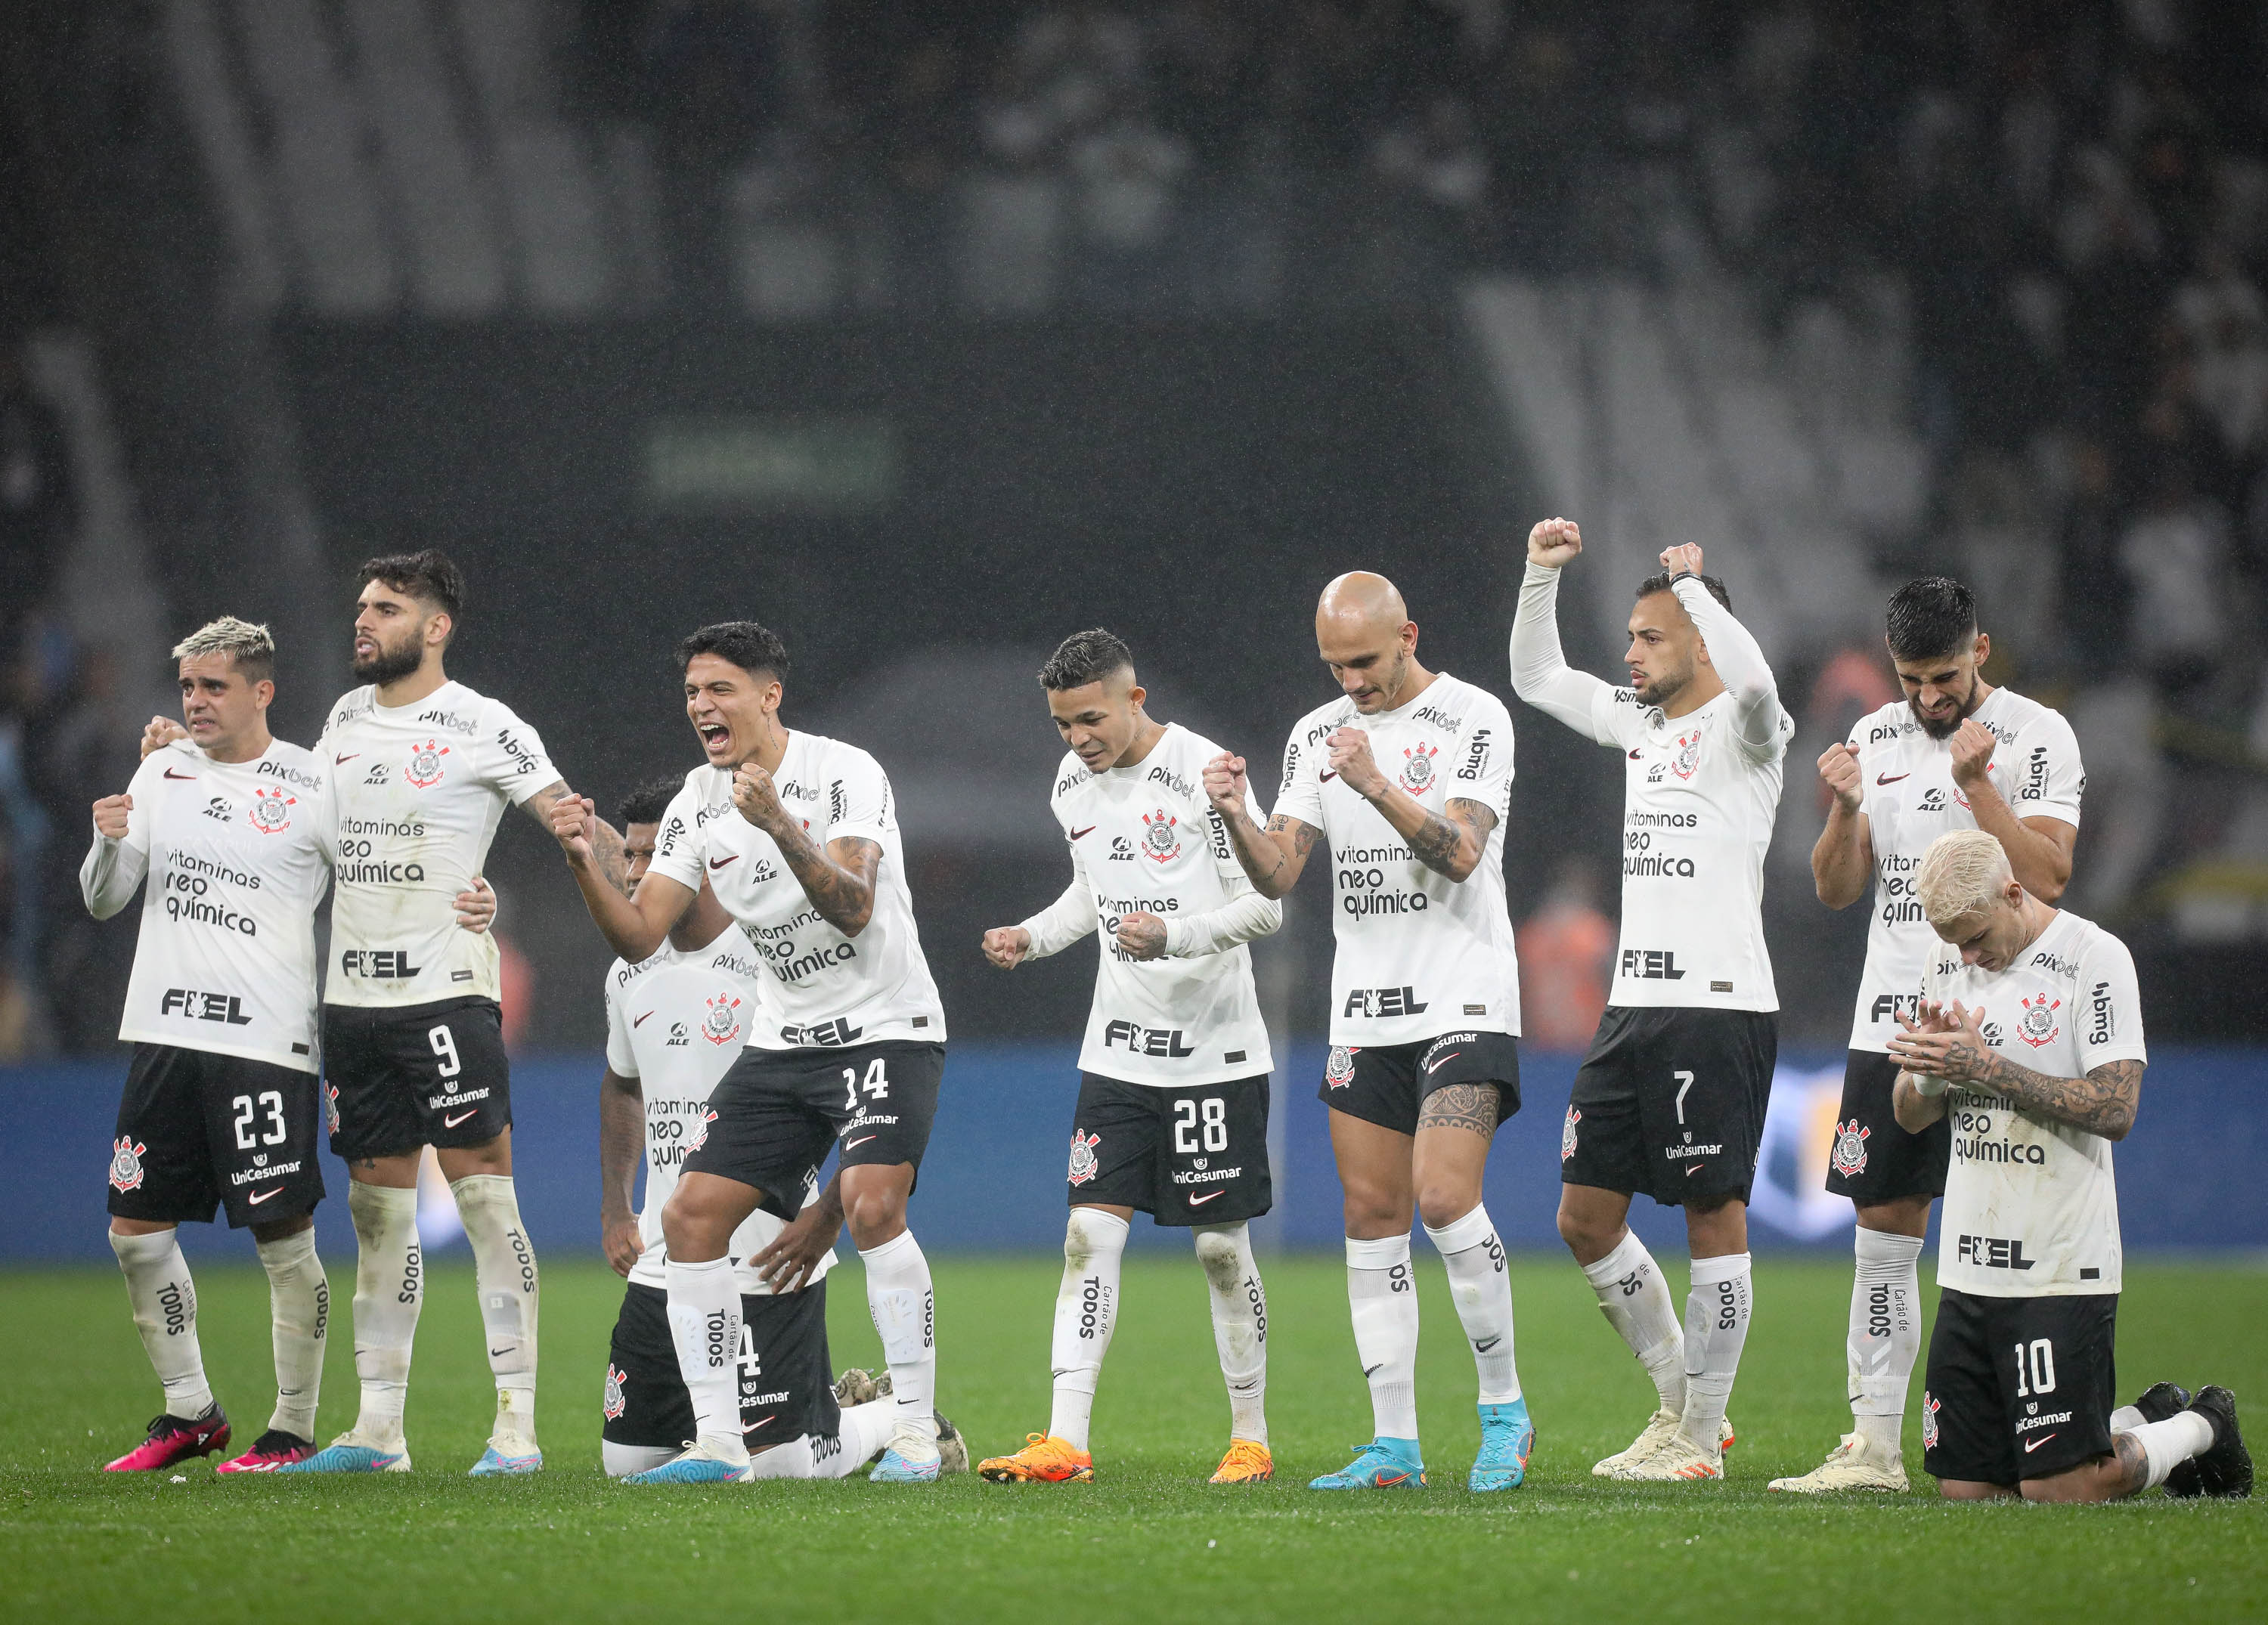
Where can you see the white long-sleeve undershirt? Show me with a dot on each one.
(1246, 916)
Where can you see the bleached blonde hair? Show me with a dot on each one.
(253, 648)
(1963, 873)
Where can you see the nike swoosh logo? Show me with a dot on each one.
(853, 1145)
(1484, 1348)
(2031, 1444)
(1692, 1170)
(338, 761)
(1326, 777)
(1198, 1201)
(191, 777)
(497, 1354)
(254, 1202)
(719, 863)
(1076, 833)
(1890, 778)
(451, 1122)
(641, 1020)
(1388, 1483)
(1368, 1369)
(1437, 1065)
(750, 1427)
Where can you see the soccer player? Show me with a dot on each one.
(423, 768)
(1172, 1116)
(1956, 752)
(2018, 1396)
(230, 827)
(674, 1024)
(796, 835)
(1408, 776)
(1670, 1100)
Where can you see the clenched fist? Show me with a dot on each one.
(757, 795)
(1973, 745)
(1553, 542)
(1225, 784)
(1684, 559)
(1839, 766)
(110, 816)
(1006, 945)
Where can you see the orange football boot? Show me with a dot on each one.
(1245, 1463)
(1044, 1459)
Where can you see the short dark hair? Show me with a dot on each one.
(429, 575)
(1660, 582)
(647, 804)
(754, 647)
(1935, 615)
(1085, 657)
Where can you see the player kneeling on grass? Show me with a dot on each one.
(675, 1025)
(1172, 1116)
(2018, 1391)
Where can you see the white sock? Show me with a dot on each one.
(299, 1316)
(793, 1459)
(2125, 1419)
(1885, 1336)
(1240, 1324)
(503, 1266)
(164, 1301)
(621, 1460)
(704, 1322)
(1383, 1300)
(1635, 1301)
(1086, 1310)
(863, 1430)
(904, 1303)
(2166, 1444)
(1716, 1324)
(1478, 1282)
(389, 1289)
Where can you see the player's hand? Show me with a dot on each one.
(1141, 936)
(1352, 760)
(162, 731)
(1553, 542)
(619, 1241)
(477, 906)
(1972, 753)
(786, 1265)
(1947, 1043)
(110, 816)
(1006, 945)
(1839, 766)
(1682, 559)
(571, 818)
(757, 795)
(1225, 784)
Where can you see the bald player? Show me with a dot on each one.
(1408, 775)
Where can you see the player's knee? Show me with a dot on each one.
(1220, 1256)
(873, 1216)
(1372, 1211)
(1583, 1233)
(1441, 1202)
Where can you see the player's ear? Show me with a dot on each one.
(1135, 695)
(1984, 647)
(263, 693)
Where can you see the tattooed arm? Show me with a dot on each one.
(1450, 842)
(839, 881)
(2103, 1102)
(1272, 859)
(606, 842)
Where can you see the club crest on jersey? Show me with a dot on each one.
(721, 1026)
(1929, 1409)
(1338, 1070)
(1418, 767)
(1849, 1157)
(426, 764)
(331, 1105)
(126, 1163)
(271, 811)
(1083, 1160)
(1567, 1134)
(2038, 1024)
(701, 1135)
(614, 1403)
(1159, 843)
(1688, 760)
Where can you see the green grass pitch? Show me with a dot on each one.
(1149, 1539)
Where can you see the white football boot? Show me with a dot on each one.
(1856, 1463)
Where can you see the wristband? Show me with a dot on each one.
(1927, 1086)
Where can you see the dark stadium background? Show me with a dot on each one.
(654, 314)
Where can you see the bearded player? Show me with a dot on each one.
(1956, 752)
(1172, 1116)
(1408, 776)
(2027, 1041)
(1670, 1100)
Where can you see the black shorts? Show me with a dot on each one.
(415, 1075)
(1671, 1102)
(197, 1130)
(773, 1116)
(2018, 1387)
(1388, 1084)
(1874, 1159)
(1185, 1156)
(786, 1387)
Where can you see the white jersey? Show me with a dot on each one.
(2031, 1209)
(826, 989)
(419, 789)
(1419, 954)
(1143, 839)
(676, 1023)
(236, 856)
(1908, 798)
(1700, 794)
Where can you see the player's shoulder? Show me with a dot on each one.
(1310, 729)
(453, 708)
(2087, 940)
(1453, 703)
(2022, 716)
(1887, 725)
(291, 764)
(355, 705)
(729, 957)
(830, 755)
(1072, 776)
(621, 975)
